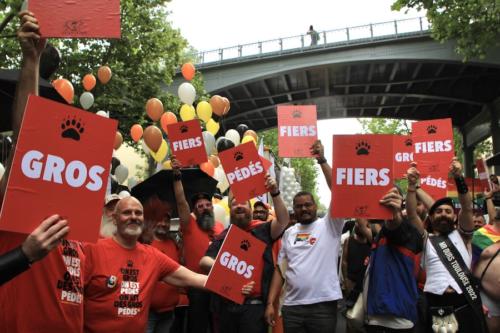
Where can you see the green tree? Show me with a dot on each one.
(144, 61)
(305, 168)
(473, 24)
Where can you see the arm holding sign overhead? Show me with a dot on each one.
(490, 207)
(465, 216)
(413, 177)
(393, 200)
(279, 224)
(180, 198)
(32, 46)
(318, 151)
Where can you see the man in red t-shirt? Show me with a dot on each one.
(165, 296)
(121, 275)
(198, 230)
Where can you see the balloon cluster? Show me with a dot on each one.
(289, 185)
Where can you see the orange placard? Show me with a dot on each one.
(433, 152)
(362, 174)
(61, 166)
(403, 155)
(245, 171)
(238, 262)
(186, 142)
(77, 18)
(484, 175)
(297, 130)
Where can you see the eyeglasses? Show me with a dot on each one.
(305, 205)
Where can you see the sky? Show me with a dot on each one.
(209, 25)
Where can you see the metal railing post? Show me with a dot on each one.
(240, 51)
(371, 31)
(221, 54)
(347, 34)
(260, 47)
(302, 41)
(396, 27)
(421, 25)
(281, 45)
(324, 38)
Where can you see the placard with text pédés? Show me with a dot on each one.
(186, 142)
(245, 171)
(433, 152)
(61, 166)
(238, 262)
(297, 130)
(77, 18)
(362, 175)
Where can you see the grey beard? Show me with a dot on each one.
(206, 221)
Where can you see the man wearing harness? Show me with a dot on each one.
(486, 242)
(453, 298)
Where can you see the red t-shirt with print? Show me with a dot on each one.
(47, 297)
(119, 285)
(195, 242)
(165, 296)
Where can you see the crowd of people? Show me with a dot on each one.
(431, 268)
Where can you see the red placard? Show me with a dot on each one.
(362, 175)
(245, 171)
(403, 155)
(484, 175)
(238, 262)
(297, 130)
(433, 151)
(77, 18)
(186, 142)
(61, 166)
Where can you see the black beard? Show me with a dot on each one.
(443, 229)
(206, 221)
(307, 221)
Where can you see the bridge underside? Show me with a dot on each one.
(408, 89)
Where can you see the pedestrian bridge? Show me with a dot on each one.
(389, 70)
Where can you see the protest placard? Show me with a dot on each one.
(297, 130)
(186, 142)
(61, 166)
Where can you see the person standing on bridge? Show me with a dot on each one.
(314, 36)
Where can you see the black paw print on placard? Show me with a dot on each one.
(245, 245)
(72, 129)
(431, 129)
(363, 148)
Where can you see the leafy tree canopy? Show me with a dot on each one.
(474, 24)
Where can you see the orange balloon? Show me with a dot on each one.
(154, 109)
(104, 74)
(136, 132)
(227, 106)
(65, 89)
(217, 104)
(188, 71)
(208, 168)
(89, 82)
(152, 137)
(215, 160)
(166, 119)
(252, 134)
(118, 140)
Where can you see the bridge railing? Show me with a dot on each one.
(329, 38)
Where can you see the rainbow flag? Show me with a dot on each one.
(483, 237)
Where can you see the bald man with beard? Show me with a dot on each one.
(121, 275)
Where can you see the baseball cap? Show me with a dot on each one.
(111, 197)
(443, 201)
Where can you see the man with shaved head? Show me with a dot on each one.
(121, 273)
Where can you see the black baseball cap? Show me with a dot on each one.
(443, 201)
(198, 196)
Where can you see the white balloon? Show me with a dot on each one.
(234, 136)
(220, 214)
(2, 170)
(86, 100)
(223, 185)
(209, 141)
(145, 147)
(132, 181)
(121, 173)
(124, 194)
(187, 93)
(103, 113)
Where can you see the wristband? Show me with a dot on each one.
(321, 160)
(461, 185)
(177, 176)
(275, 194)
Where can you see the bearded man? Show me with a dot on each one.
(453, 298)
(198, 229)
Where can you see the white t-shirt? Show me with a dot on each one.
(312, 251)
(438, 277)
